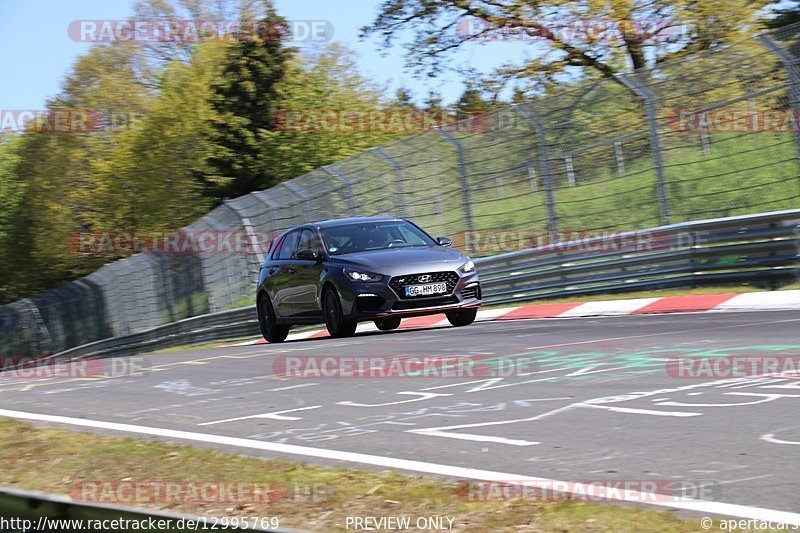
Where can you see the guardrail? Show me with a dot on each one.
(42, 511)
(762, 248)
(241, 322)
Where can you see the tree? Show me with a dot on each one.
(11, 191)
(577, 38)
(246, 100)
(782, 14)
(433, 102)
(403, 98)
(156, 178)
(519, 96)
(471, 101)
(317, 81)
(61, 173)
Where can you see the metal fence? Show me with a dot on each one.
(713, 135)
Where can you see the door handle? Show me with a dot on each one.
(272, 271)
(290, 270)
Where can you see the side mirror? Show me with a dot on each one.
(444, 241)
(308, 255)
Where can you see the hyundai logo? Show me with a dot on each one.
(425, 278)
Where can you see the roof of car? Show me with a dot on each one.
(353, 220)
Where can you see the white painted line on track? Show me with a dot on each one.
(278, 415)
(686, 504)
(770, 437)
(293, 387)
(631, 410)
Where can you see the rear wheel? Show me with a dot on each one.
(335, 321)
(462, 317)
(271, 331)
(388, 324)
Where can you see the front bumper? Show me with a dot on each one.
(366, 301)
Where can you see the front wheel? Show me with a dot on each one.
(271, 331)
(462, 317)
(338, 326)
(388, 324)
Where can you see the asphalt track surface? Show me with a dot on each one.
(567, 413)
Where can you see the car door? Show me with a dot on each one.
(307, 276)
(282, 275)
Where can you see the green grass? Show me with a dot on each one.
(739, 175)
(56, 461)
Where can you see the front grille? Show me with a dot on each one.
(424, 302)
(471, 292)
(398, 282)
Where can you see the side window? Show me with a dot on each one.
(308, 241)
(410, 237)
(289, 244)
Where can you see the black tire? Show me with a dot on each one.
(462, 317)
(271, 331)
(338, 326)
(388, 324)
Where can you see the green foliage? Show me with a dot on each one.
(471, 101)
(572, 39)
(246, 99)
(153, 179)
(324, 80)
(11, 191)
(159, 161)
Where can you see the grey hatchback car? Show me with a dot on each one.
(350, 270)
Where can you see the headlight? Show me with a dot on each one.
(469, 266)
(358, 275)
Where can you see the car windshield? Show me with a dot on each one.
(365, 236)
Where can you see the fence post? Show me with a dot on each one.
(532, 178)
(462, 176)
(655, 142)
(620, 158)
(248, 228)
(348, 184)
(544, 162)
(570, 171)
(398, 179)
(44, 340)
(792, 70)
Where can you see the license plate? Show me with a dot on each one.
(427, 289)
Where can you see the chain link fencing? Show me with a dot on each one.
(713, 135)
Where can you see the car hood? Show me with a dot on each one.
(401, 261)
